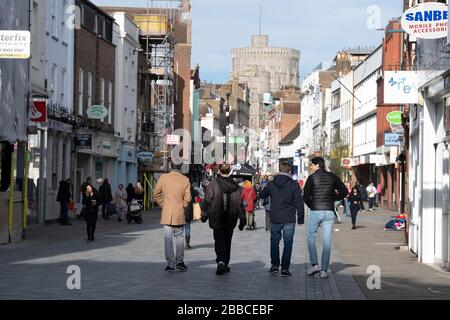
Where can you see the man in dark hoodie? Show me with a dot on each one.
(286, 204)
(223, 206)
(63, 197)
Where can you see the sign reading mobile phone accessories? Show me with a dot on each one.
(15, 44)
(426, 20)
(97, 112)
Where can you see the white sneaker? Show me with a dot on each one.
(323, 274)
(313, 270)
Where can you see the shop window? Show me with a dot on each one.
(447, 116)
(98, 168)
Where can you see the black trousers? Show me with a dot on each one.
(222, 244)
(354, 211)
(91, 220)
(64, 212)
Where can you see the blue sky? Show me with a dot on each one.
(318, 28)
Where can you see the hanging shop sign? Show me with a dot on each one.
(401, 87)
(346, 163)
(15, 44)
(392, 139)
(145, 156)
(394, 117)
(97, 112)
(83, 141)
(173, 140)
(236, 140)
(426, 20)
(38, 112)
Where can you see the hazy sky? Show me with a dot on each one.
(318, 28)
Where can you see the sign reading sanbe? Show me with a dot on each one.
(15, 44)
(426, 21)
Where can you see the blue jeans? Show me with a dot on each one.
(187, 229)
(347, 208)
(326, 219)
(278, 231)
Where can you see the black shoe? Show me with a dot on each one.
(227, 269)
(221, 269)
(274, 270)
(285, 273)
(354, 228)
(182, 267)
(120, 220)
(169, 269)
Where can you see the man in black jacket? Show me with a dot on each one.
(63, 197)
(321, 190)
(286, 204)
(105, 198)
(223, 206)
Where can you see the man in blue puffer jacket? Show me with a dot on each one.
(286, 208)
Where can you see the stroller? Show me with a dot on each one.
(134, 213)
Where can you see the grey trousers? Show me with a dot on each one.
(178, 233)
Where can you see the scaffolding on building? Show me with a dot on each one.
(158, 43)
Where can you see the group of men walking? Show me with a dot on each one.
(224, 208)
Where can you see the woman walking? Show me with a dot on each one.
(355, 200)
(346, 201)
(120, 199)
(92, 202)
(139, 192)
(249, 198)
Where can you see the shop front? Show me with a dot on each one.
(59, 164)
(96, 156)
(126, 166)
(429, 180)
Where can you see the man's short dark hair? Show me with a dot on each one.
(175, 166)
(319, 161)
(225, 168)
(285, 167)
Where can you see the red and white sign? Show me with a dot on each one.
(346, 163)
(39, 111)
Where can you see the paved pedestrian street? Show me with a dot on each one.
(127, 262)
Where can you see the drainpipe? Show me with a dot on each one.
(11, 195)
(25, 193)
